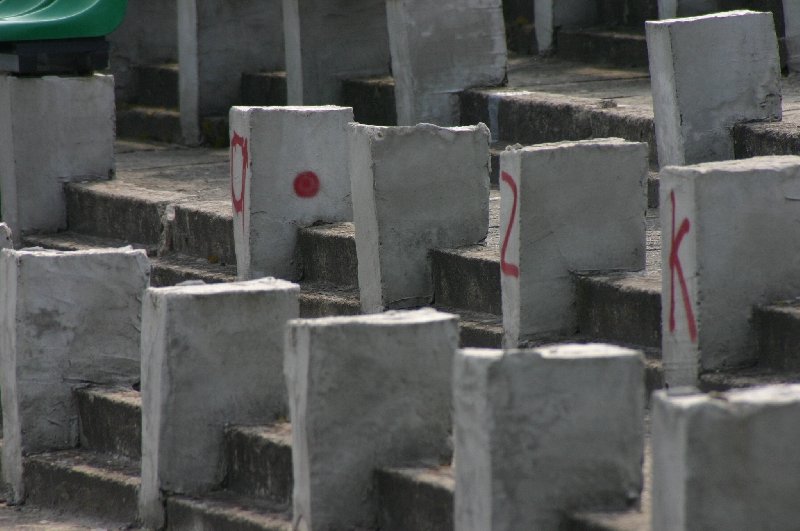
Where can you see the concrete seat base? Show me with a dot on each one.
(54, 57)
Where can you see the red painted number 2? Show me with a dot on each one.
(506, 268)
(676, 269)
(239, 142)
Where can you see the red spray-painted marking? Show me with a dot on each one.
(675, 267)
(239, 142)
(509, 269)
(306, 184)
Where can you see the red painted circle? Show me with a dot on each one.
(306, 184)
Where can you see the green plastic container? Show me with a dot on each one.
(35, 20)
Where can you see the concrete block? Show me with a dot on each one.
(414, 189)
(699, 97)
(364, 392)
(724, 228)
(546, 432)
(552, 14)
(6, 237)
(428, 82)
(329, 41)
(212, 355)
(687, 8)
(566, 207)
(726, 461)
(288, 171)
(53, 130)
(67, 319)
(218, 41)
(791, 24)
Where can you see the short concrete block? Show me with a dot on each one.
(414, 189)
(329, 41)
(724, 228)
(566, 207)
(552, 14)
(67, 319)
(53, 130)
(428, 82)
(212, 355)
(727, 461)
(218, 41)
(699, 97)
(365, 392)
(288, 171)
(546, 432)
(687, 8)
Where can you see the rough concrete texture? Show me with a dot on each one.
(725, 226)
(67, 319)
(427, 82)
(364, 392)
(328, 41)
(698, 98)
(414, 189)
(259, 461)
(726, 461)
(6, 237)
(211, 355)
(52, 130)
(288, 170)
(686, 8)
(791, 21)
(566, 207)
(540, 433)
(549, 15)
(218, 40)
(146, 36)
(110, 420)
(415, 498)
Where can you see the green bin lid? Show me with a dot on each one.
(31, 20)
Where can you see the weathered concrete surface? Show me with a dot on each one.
(379, 388)
(217, 41)
(549, 15)
(687, 8)
(427, 82)
(67, 319)
(259, 461)
(403, 183)
(415, 498)
(542, 432)
(726, 461)
(229, 337)
(328, 41)
(223, 511)
(566, 207)
(698, 98)
(52, 130)
(726, 225)
(110, 420)
(289, 169)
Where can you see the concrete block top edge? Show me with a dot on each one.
(41, 251)
(737, 401)
(267, 284)
(380, 131)
(390, 318)
(778, 163)
(710, 16)
(570, 144)
(566, 351)
(293, 109)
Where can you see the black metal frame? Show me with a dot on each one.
(54, 57)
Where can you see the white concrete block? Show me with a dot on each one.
(67, 319)
(427, 81)
(546, 432)
(6, 237)
(726, 461)
(328, 41)
(53, 130)
(552, 14)
(724, 228)
(212, 355)
(687, 8)
(364, 392)
(699, 97)
(288, 170)
(218, 41)
(414, 189)
(791, 24)
(566, 207)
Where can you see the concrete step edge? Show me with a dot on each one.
(110, 421)
(259, 461)
(185, 512)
